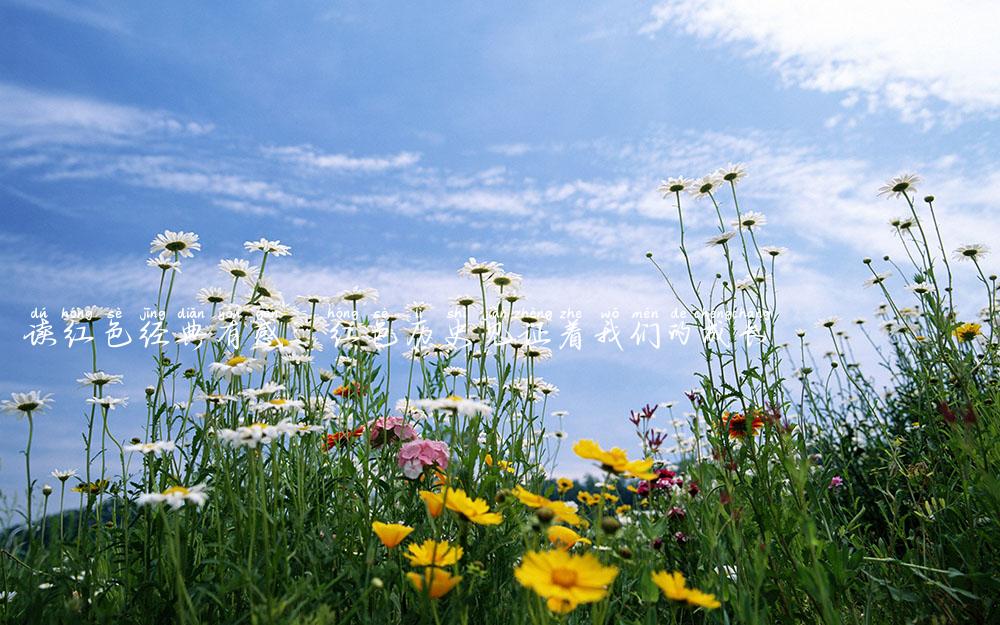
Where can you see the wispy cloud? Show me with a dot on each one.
(310, 157)
(929, 61)
(74, 12)
(31, 117)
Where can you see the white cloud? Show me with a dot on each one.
(34, 117)
(308, 156)
(928, 60)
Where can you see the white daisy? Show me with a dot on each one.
(156, 448)
(358, 295)
(473, 267)
(99, 378)
(971, 252)
(418, 307)
(705, 185)
(108, 402)
(165, 262)
(720, 239)
(268, 388)
(453, 404)
(211, 295)
(828, 322)
(732, 173)
(878, 278)
(920, 288)
(675, 185)
(236, 366)
(506, 280)
(749, 220)
(274, 248)
(87, 314)
(905, 183)
(313, 299)
(237, 268)
(24, 403)
(773, 251)
(176, 497)
(63, 474)
(181, 243)
(464, 301)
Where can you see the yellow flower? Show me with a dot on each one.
(563, 511)
(615, 460)
(564, 484)
(967, 332)
(432, 553)
(565, 580)
(564, 538)
(702, 599)
(391, 534)
(529, 499)
(475, 510)
(438, 582)
(674, 586)
(236, 360)
(611, 498)
(588, 499)
(434, 501)
(622, 509)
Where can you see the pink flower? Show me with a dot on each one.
(418, 454)
(390, 429)
(836, 482)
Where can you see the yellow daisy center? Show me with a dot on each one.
(564, 577)
(236, 360)
(176, 490)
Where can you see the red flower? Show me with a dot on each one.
(341, 438)
(736, 423)
(351, 389)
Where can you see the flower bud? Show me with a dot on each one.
(610, 525)
(46, 490)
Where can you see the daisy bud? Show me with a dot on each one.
(149, 391)
(649, 254)
(46, 490)
(377, 582)
(867, 261)
(545, 515)
(610, 525)
(886, 258)
(929, 199)
(136, 440)
(189, 373)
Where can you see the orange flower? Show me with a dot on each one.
(391, 534)
(434, 501)
(563, 511)
(736, 423)
(340, 438)
(437, 582)
(351, 389)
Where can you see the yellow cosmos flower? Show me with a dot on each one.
(434, 501)
(563, 511)
(615, 460)
(434, 581)
(967, 332)
(433, 553)
(565, 580)
(564, 538)
(588, 499)
(391, 534)
(475, 510)
(674, 586)
(622, 509)
(564, 484)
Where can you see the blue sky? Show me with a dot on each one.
(388, 142)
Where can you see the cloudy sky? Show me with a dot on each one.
(388, 142)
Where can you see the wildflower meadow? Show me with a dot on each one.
(282, 477)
